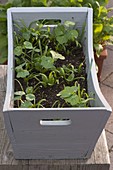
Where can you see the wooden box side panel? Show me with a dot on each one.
(77, 139)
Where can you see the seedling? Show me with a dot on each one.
(75, 96)
(45, 64)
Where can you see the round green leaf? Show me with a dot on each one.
(47, 62)
(29, 90)
(18, 50)
(28, 45)
(59, 30)
(19, 93)
(19, 67)
(22, 74)
(73, 100)
(30, 97)
(26, 35)
(62, 39)
(17, 98)
(26, 104)
(67, 91)
(72, 34)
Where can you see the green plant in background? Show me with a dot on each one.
(3, 32)
(102, 23)
(103, 29)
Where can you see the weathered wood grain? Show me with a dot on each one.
(98, 161)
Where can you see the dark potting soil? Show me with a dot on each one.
(50, 92)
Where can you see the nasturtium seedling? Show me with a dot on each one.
(59, 30)
(67, 91)
(47, 62)
(69, 23)
(28, 45)
(75, 96)
(72, 35)
(61, 39)
(29, 90)
(22, 73)
(73, 100)
(18, 50)
(19, 93)
(56, 55)
(26, 104)
(26, 35)
(30, 97)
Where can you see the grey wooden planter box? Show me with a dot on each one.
(32, 132)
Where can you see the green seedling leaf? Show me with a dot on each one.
(85, 101)
(71, 77)
(73, 100)
(35, 34)
(69, 23)
(75, 96)
(18, 68)
(62, 39)
(17, 98)
(22, 73)
(56, 55)
(19, 93)
(72, 34)
(47, 62)
(28, 45)
(67, 69)
(59, 30)
(39, 104)
(18, 51)
(67, 91)
(61, 71)
(37, 50)
(30, 97)
(51, 79)
(26, 104)
(29, 90)
(26, 35)
(44, 78)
